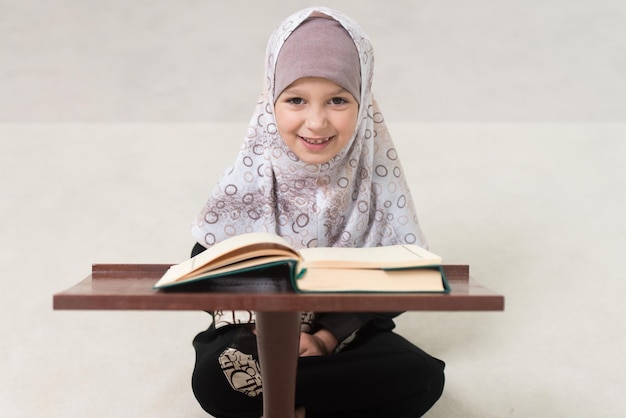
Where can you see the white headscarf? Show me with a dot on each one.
(358, 199)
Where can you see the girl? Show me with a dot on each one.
(318, 168)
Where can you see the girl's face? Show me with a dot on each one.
(316, 118)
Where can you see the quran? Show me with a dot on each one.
(395, 268)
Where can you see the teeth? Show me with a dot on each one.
(316, 141)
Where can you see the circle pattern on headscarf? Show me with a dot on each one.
(359, 198)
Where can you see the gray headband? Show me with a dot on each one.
(319, 47)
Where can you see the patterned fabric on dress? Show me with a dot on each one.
(240, 365)
(224, 318)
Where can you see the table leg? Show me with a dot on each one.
(278, 336)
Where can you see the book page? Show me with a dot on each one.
(371, 280)
(230, 251)
(394, 256)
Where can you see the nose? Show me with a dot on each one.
(316, 119)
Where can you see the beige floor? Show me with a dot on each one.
(536, 210)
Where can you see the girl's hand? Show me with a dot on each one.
(319, 344)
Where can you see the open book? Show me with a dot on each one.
(397, 268)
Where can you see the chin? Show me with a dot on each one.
(314, 161)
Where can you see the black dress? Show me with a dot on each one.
(374, 373)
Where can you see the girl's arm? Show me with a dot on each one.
(345, 326)
(323, 342)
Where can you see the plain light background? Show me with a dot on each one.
(116, 118)
(198, 61)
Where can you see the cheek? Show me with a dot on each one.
(348, 123)
(284, 121)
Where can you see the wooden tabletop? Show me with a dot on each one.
(129, 287)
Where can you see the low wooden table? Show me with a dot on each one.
(129, 287)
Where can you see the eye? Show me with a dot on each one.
(338, 101)
(295, 100)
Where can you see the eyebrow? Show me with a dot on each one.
(298, 92)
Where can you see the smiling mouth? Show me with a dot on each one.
(316, 141)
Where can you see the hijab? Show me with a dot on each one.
(319, 47)
(359, 198)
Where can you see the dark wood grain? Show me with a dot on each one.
(129, 287)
